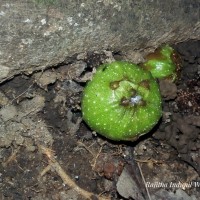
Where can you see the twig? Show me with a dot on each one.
(30, 86)
(95, 158)
(17, 97)
(87, 148)
(144, 180)
(149, 161)
(66, 179)
(45, 170)
(11, 157)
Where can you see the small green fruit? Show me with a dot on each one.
(163, 63)
(122, 101)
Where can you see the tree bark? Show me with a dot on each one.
(35, 34)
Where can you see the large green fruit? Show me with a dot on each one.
(122, 101)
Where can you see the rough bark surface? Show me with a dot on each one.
(35, 34)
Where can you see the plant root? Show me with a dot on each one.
(53, 164)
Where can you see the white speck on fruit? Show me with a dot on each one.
(136, 99)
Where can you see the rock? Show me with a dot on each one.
(168, 195)
(36, 34)
(127, 187)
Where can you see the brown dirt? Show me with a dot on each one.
(44, 109)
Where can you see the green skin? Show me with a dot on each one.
(163, 67)
(122, 101)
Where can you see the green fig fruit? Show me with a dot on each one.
(163, 63)
(122, 101)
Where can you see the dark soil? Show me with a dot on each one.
(168, 158)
